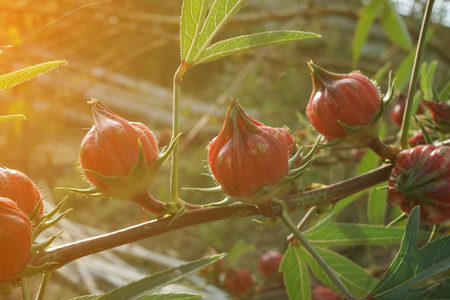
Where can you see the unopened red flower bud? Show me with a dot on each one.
(247, 155)
(15, 239)
(121, 158)
(421, 176)
(269, 264)
(111, 147)
(18, 187)
(344, 106)
(321, 292)
(239, 282)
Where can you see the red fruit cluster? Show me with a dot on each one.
(421, 176)
(111, 147)
(343, 106)
(247, 155)
(15, 239)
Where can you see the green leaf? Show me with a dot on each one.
(379, 75)
(14, 78)
(327, 233)
(193, 14)
(239, 248)
(137, 289)
(403, 72)
(171, 296)
(366, 17)
(295, 272)
(426, 79)
(357, 280)
(394, 26)
(409, 274)
(220, 13)
(11, 117)
(252, 41)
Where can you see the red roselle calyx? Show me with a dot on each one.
(269, 264)
(421, 176)
(18, 187)
(251, 161)
(120, 158)
(440, 112)
(15, 240)
(399, 109)
(344, 106)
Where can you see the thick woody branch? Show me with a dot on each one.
(332, 193)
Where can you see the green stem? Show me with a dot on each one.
(303, 221)
(43, 286)
(415, 74)
(291, 226)
(177, 78)
(25, 289)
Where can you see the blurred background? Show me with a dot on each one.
(125, 52)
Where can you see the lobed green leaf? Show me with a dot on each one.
(14, 78)
(296, 275)
(220, 13)
(193, 13)
(357, 280)
(327, 233)
(408, 275)
(252, 41)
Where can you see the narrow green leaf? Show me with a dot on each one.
(403, 72)
(412, 268)
(295, 272)
(220, 13)
(137, 289)
(14, 78)
(394, 26)
(171, 296)
(239, 248)
(327, 233)
(357, 280)
(366, 17)
(252, 41)
(193, 14)
(11, 117)
(426, 79)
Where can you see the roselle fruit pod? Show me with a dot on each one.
(321, 292)
(269, 265)
(15, 240)
(399, 109)
(18, 187)
(239, 282)
(249, 159)
(344, 107)
(421, 176)
(440, 113)
(119, 158)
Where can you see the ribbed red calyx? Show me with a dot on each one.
(269, 263)
(15, 239)
(111, 147)
(421, 176)
(247, 155)
(340, 100)
(18, 187)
